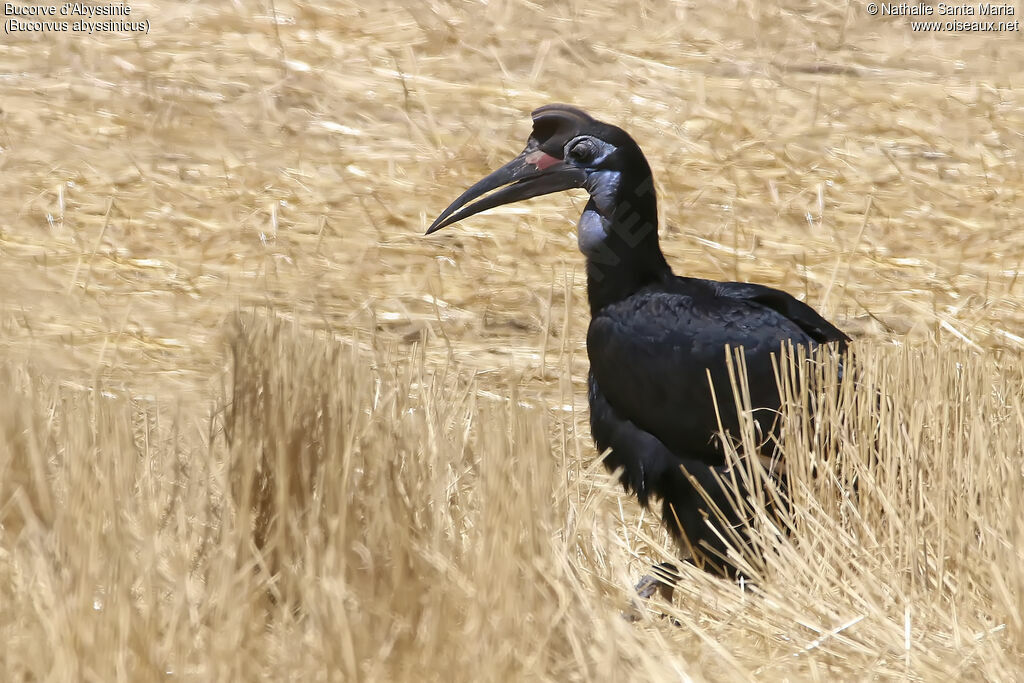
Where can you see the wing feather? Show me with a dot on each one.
(651, 354)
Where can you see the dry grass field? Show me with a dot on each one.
(257, 427)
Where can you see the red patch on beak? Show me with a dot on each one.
(541, 160)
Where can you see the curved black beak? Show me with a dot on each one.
(531, 174)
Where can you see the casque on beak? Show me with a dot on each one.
(539, 170)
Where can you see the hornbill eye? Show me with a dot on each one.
(583, 151)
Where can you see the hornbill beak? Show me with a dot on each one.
(531, 174)
(540, 169)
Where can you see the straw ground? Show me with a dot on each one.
(256, 426)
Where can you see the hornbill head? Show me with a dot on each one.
(567, 149)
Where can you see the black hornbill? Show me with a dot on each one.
(654, 337)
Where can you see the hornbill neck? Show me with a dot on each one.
(618, 233)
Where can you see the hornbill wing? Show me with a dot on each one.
(808, 319)
(650, 355)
